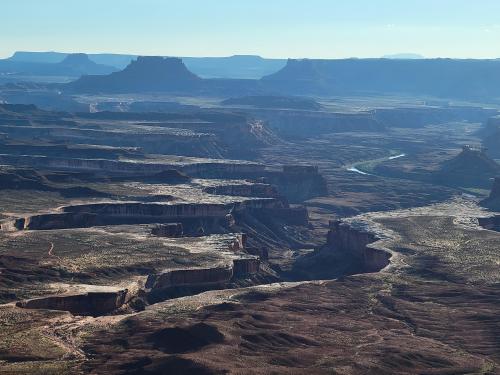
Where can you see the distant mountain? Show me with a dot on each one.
(404, 56)
(238, 66)
(449, 78)
(146, 74)
(72, 65)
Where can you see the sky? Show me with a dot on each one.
(270, 28)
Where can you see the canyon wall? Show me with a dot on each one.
(345, 238)
(190, 277)
(195, 169)
(299, 182)
(306, 124)
(91, 303)
(88, 215)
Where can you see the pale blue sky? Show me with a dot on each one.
(271, 28)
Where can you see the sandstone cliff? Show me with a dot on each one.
(92, 303)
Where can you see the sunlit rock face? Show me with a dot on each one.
(93, 303)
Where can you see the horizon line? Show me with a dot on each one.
(388, 55)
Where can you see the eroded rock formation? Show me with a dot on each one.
(92, 303)
(472, 167)
(147, 73)
(87, 215)
(493, 201)
(299, 182)
(356, 241)
(168, 230)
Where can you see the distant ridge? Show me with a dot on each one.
(72, 65)
(237, 66)
(449, 78)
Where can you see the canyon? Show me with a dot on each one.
(159, 219)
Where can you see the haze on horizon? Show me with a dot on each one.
(279, 28)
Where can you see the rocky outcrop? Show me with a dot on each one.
(245, 266)
(168, 230)
(261, 252)
(356, 241)
(194, 169)
(210, 277)
(90, 303)
(155, 140)
(472, 167)
(192, 277)
(299, 182)
(88, 215)
(188, 281)
(493, 201)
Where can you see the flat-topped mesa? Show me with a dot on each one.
(493, 201)
(345, 238)
(189, 214)
(188, 281)
(93, 303)
(208, 169)
(207, 277)
(180, 281)
(146, 74)
(475, 78)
